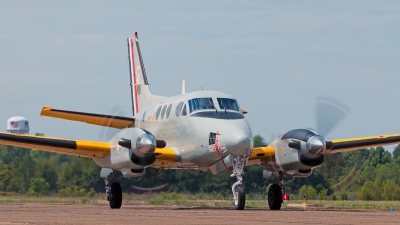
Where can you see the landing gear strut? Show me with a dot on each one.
(113, 191)
(238, 192)
(275, 193)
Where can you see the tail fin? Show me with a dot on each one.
(141, 95)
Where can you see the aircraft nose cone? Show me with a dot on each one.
(316, 145)
(239, 143)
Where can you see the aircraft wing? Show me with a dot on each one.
(118, 122)
(261, 154)
(344, 145)
(166, 157)
(89, 149)
(264, 154)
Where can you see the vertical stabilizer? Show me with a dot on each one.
(141, 95)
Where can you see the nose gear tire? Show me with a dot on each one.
(240, 198)
(275, 197)
(116, 193)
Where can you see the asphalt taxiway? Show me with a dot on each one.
(147, 214)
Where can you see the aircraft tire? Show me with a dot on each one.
(275, 197)
(116, 192)
(241, 198)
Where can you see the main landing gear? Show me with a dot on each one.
(113, 191)
(238, 192)
(275, 193)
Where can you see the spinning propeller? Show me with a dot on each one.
(145, 145)
(329, 112)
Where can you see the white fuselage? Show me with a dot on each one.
(190, 131)
(202, 127)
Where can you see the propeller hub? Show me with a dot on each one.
(316, 145)
(146, 144)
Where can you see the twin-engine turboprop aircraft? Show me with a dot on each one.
(203, 130)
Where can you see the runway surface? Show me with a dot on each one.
(146, 214)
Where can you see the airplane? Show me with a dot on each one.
(202, 130)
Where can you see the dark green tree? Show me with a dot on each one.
(259, 141)
(396, 152)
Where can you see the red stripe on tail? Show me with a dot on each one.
(135, 94)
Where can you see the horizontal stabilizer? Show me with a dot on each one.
(118, 122)
(89, 149)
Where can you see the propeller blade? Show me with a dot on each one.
(329, 113)
(295, 144)
(106, 133)
(125, 143)
(161, 144)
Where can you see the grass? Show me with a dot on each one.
(46, 200)
(187, 200)
(174, 199)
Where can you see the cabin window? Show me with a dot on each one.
(163, 111)
(168, 111)
(184, 112)
(178, 109)
(228, 103)
(157, 113)
(200, 104)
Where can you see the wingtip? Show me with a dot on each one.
(45, 109)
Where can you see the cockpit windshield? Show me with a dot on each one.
(228, 103)
(200, 104)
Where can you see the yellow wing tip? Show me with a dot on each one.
(46, 109)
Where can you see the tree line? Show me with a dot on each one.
(368, 174)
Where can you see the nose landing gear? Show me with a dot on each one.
(238, 192)
(240, 198)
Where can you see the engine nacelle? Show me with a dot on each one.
(133, 148)
(298, 151)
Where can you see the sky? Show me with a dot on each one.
(275, 57)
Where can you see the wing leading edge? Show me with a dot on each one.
(261, 154)
(118, 122)
(89, 149)
(349, 144)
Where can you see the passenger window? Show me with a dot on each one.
(184, 113)
(178, 109)
(200, 104)
(163, 111)
(157, 113)
(144, 116)
(168, 111)
(227, 103)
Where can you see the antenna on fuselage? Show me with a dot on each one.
(183, 87)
